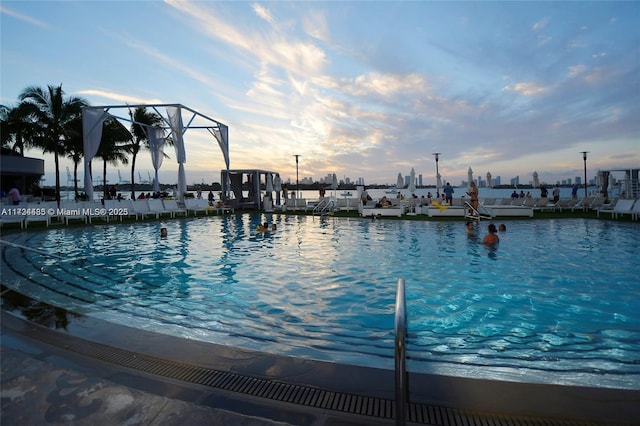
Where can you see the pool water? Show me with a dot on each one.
(558, 301)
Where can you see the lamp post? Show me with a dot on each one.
(297, 182)
(584, 157)
(437, 154)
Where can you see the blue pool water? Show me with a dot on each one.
(558, 301)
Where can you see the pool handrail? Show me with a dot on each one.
(402, 387)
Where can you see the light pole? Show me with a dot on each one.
(584, 157)
(297, 183)
(437, 154)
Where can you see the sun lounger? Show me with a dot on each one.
(173, 208)
(156, 207)
(141, 208)
(10, 217)
(120, 209)
(36, 213)
(623, 206)
(194, 205)
(75, 211)
(635, 210)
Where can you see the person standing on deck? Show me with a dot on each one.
(448, 193)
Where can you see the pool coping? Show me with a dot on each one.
(345, 389)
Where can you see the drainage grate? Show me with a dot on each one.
(294, 394)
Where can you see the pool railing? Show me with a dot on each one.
(401, 382)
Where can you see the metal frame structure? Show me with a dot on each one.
(195, 120)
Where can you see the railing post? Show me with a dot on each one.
(400, 355)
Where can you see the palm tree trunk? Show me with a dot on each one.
(104, 180)
(57, 162)
(133, 170)
(75, 179)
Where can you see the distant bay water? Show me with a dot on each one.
(379, 193)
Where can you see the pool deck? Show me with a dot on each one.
(100, 373)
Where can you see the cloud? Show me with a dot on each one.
(263, 13)
(540, 24)
(24, 18)
(118, 97)
(526, 88)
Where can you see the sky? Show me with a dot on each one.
(360, 89)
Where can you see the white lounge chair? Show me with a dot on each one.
(172, 207)
(36, 213)
(75, 211)
(635, 210)
(141, 208)
(623, 206)
(193, 205)
(120, 209)
(156, 207)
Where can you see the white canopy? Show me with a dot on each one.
(92, 118)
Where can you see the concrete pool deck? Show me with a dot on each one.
(101, 373)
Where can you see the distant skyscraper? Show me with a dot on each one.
(420, 179)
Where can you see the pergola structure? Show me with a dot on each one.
(174, 117)
(233, 183)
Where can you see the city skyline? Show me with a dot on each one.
(500, 87)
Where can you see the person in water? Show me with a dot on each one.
(492, 237)
(163, 232)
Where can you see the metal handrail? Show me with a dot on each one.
(401, 355)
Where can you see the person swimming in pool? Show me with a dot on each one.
(492, 237)
(163, 232)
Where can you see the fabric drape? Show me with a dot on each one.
(92, 120)
(174, 114)
(156, 146)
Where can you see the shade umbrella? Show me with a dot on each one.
(489, 180)
(412, 181)
(536, 180)
(412, 188)
(469, 177)
(277, 186)
(400, 181)
(268, 201)
(438, 183)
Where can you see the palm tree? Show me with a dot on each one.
(141, 119)
(114, 147)
(75, 151)
(15, 128)
(53, 117)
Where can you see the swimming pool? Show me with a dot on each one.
(556, 302)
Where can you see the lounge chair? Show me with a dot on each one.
(36, 213)
(172, 207)
(565, 204)
(156, 207)
(623, 206)
(11, 218)
(75, 211)
(193, 205)
(141, 208)
(120, 209)
(635, 210)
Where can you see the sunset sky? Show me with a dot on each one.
(360, 89)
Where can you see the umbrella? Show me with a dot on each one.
(412, 181)
(438, 183)
(412, 188)
(536, 180)
(469, 176)
(277, 186)
(400, 181)
(489, 180)
(269, 184)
